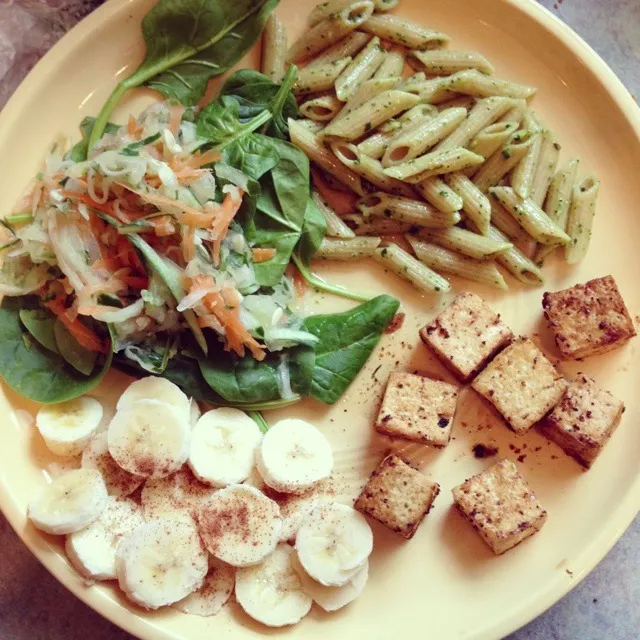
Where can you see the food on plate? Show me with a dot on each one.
(92, 550)
(500, 505)
(466, 335)
(155, 388)
(294, 456)
(398, 496)
(521, 384)
(223, 447)
(417, 408)
(71, 502)
(588, 319)
(68, 427)
(584, 420)
(161, 562)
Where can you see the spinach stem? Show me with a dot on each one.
(257, 417)
(322, 285)
(246, 129)
(287, 83)
(106, 111)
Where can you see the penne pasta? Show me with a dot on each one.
(516, 113)
(346, 48)
(365, 92)
(393, 64)
(347, 249)
(530, 216)
(368, 168)
(439, 194)
(309, 143)
(376, 226)
(504, 221)
(515, 262)
(405, 33)
(580, 220)
(319, 78)
(410, 144)
(474, 203)
(434, 163)
(443, 62)
(406, 266)
(361, 68)
(274, 49)
(466, 242)
(385, 5)
(336, 227)
(433, 91)
(478, 84)
(321, 108)
(312, 125)
(546, 167)
(466, 102)
(407, 210)
(327, 9)
(330, 30)
(525, 170)
(442, 259)
(492, 138)
(484, 113)
(369, 115)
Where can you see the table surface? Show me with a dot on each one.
(34, 606)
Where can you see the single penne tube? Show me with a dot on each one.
(546, 167)
(559, 196)
(439, 194)
(478, 84)
(504, 221)
(524, 172)
(347, 249)
(432, 90)
(376, 226)
(370, 115)
(312, 125)
(336, 227)
(345, 48)
(502, 161)
(530, 216)
(580, 220)
(466, 102)
(433, 164)
(365, 92)
(406, 210)
(491, 138)
(319, 77)
(310, 144)
(327, 9)
(442, 259)
(515, 262)
(403, 32)
(274, 49)
(419, 76)
(406, 266)
(475, 204)
(443, 62)
(330, 30)
(385, 5)
(516, 113)
(361, 68)
(474, 245)
(412, 143)
(484, 113)
(530, 121)
(369, 169)
(393, 64)
(321, 108)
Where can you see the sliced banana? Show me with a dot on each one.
(194, 412)
(92, 551)
(68, 426)
(71, 502)
(333, 542)
(293, 510)
(223, 447)
(239, 525)
(96, 455)
(216, 590)
(333, 598)
(272, 592)
(154, 388)
(149, 438)
(178, 496)
(160, 563)
(294, 456)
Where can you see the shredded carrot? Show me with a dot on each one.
(137, 282)
(299, 283)
(132, 125)
(109, 264)
(189, 243)
(163, 226)
(176, 112)
(220, 226)
(342, 203)
(263, 254)
(87, 338)
(107, 207)
(200, 159)
(127, 255)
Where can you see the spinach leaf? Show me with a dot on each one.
(256, 416)
(72, 351)
(313, 231)
(254, 155)
(346, 342)
(151, 358)
(39, 323)
(34, 372)
(188, 42)
(79, 151)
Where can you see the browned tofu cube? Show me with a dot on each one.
(500, 505)
(417, 408)
(398, 496)
(588, 319)
(584, 420)
(466, 335)
(521, 384)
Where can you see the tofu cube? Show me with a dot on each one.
(417, 408)
(588, 319)
(398, 496)
(584, 420)
(500, 505)
(466, 335)
(521, 384)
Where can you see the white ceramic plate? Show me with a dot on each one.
(444, 583)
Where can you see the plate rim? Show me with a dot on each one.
(591, 555)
